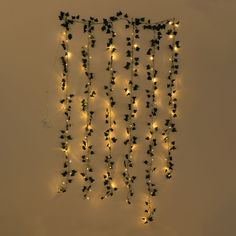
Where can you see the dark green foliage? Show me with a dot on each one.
(133, 25)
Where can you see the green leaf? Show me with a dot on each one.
(69, 36)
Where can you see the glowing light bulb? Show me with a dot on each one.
(144, 219)
(166, 169)
(171, 22)
(151, 58)
(114, 56)
(69, 54)
(171, 36)
(63, 106)
(112, 48)
(154, 125)
(154, 79)
(175, 48)
(135, 45)
(84, 115)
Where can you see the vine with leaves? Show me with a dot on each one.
(65, 134)
(132, 66)
(110, 139)
(172, 100)
(151, 105)
(87, 146)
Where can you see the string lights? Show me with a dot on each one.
(110, 139)
(87, 146)
(65, 135)
(151, 104)
(133, 25)
(172, 99)
(132, 66)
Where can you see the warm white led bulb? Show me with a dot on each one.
(69, 54)
(154, 125)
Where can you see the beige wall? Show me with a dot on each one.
(200, 200)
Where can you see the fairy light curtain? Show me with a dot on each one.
(115, 91)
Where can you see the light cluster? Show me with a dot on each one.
(131, 91)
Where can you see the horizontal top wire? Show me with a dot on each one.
(125, 19)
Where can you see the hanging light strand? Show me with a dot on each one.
(151, 138)
(87, 146)
(65, 135)
(131, 141)
(110, 138)
(172, 100)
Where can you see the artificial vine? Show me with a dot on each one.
(132, 67)
(110, 139)
(151, 105)
(172, 103)
(87, 146)
(65, 135)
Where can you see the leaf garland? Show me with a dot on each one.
(172, 103)
(65, 135)
(170, 27)
(110, 139)
(152, 125)
(131, 140)
(87, 147)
